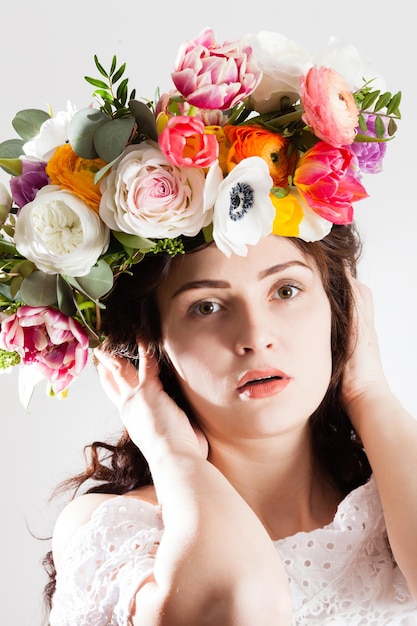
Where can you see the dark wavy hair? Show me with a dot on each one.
(131, 312)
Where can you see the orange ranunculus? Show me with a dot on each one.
(288, 215)
(66, 169)
(224, 145)
(279, 153)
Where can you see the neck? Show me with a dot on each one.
(279, 481)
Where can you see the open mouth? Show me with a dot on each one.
(260, 381)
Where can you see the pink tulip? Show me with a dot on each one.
(210, 76)
(325, 177)
(56, 345)
(329, 107)
(184, 142)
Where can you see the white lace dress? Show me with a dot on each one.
(342, 574)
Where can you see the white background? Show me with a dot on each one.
(46, 49)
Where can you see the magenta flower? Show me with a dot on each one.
(185, 143)
(370, 154)
(325, 178)
(210, 76)
(55, 345)
(25, 187)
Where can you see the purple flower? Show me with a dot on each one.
(25, 187)
(370, 154)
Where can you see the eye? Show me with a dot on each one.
(206, 308)
(286, 292)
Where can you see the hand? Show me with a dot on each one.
(153, 420)
(363, 375)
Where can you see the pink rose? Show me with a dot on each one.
(54, 344)
(185, 143)
(325, 177)
(329, 107)
(210, 76)
(147, 195)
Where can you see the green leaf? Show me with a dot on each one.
(100, 67)
(394, 105)
(379, 127)
(382, 101)
(135, 242)
(104, 95)
(392, 127)
(100, 84)
(369, 99)
(119, 73)
(15, 286)
(66, 297)
(145, 119)
(7, 247)
(362, 123)
(39, 289)
(10, 151)
(82, 129)
(27, 123)
(112, 136)
(98, 281)
(113, 64)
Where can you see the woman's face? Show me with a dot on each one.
(248, 337)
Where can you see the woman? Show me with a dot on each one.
(265, 471)
(274, 361)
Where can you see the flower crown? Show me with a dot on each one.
(255, 137)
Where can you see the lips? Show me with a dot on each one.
(262, 383)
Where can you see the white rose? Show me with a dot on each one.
(343, 57)
(283, 62)
(59, 233)
(242, 210)
(146, 195)
(53, 133)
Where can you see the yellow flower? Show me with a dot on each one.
(288, 215)
(66, 169)
(224, 145)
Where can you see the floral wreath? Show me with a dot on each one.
(255, 137)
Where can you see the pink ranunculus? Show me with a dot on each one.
(325, 177)
(185, 143)
(329, 107)
(55, 345)
(213, 76)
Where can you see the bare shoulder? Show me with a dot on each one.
(78, 512)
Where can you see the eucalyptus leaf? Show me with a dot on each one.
(145, 119)
(112, 136)
(82, 129)
(28, 122)
(98, 281)
(66, 298)
(135, 242)
(39, 289)
(15, 286)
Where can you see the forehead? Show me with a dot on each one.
(210, 262)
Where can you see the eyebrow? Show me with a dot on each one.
(222, 284)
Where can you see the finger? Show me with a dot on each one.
(119, 370)
(148, 364)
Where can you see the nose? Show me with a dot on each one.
(254, 331)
